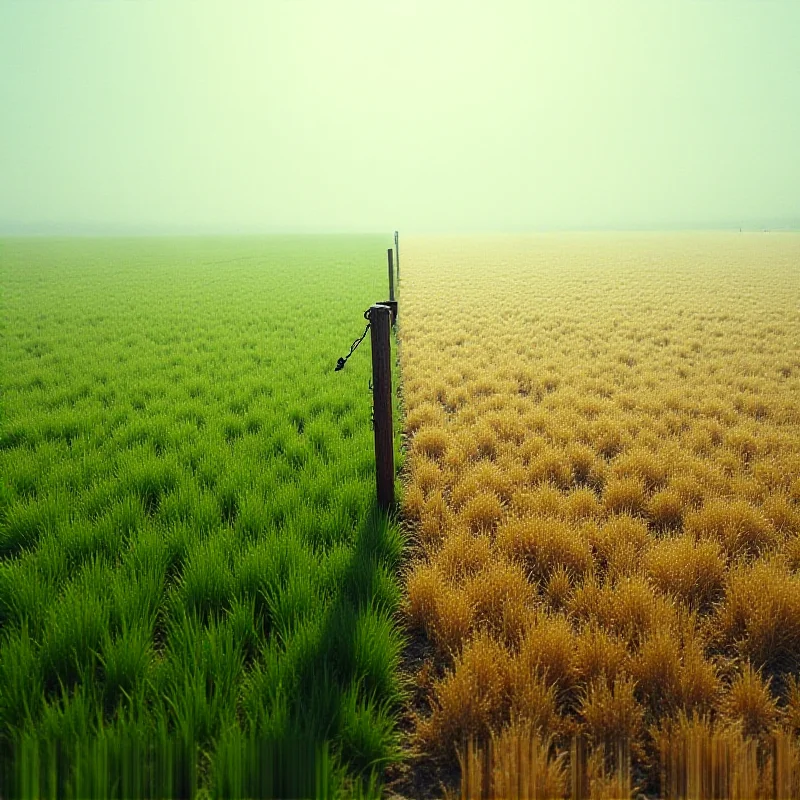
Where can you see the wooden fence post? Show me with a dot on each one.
(391, 274)
(380, 326)
(397, 255)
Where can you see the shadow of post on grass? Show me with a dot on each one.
(340, 730)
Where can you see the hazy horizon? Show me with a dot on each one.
(309, 117)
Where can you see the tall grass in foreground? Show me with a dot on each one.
(696, 762)
(197, 596)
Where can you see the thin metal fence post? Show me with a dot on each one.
(391, 274)
(397, 255)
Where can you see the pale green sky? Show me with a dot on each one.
(283, 115)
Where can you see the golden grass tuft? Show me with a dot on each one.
(424, 415)
(611, 713)
(543, 501)
(584, 464)
(670, 676)
(617, 544)
(548, 649)
(700, 685)
(430, 442)
(482, 512)
(739, 527)
(550, 466)
(533, 698)
(519, 764)
(434, 520)
(462, 555)
(428, 476)
(471, 700)
(625, 496)
(502, 598)
(508, 426)
(543, 545)
(656, 669)
(665, 510)
(689, 488)
(558, 588)
(748, 702)
(607, 439)
(692, 571)
(453, 620)
(642, 464)
(413, 503)
(598, 654)
(422, 587)
(582, 504)
(483, 442)
(627, 608)
(478, 477)
(608, 773)
(782, 514)
(759, 617)
(446, 617)
(743, 442)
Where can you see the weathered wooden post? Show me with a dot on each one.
(391, 274)
(397, 255)
(380, 326)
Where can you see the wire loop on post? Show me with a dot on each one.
(342, 360)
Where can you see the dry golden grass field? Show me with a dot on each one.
(603, 491)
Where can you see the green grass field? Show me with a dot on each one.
(196, 592)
